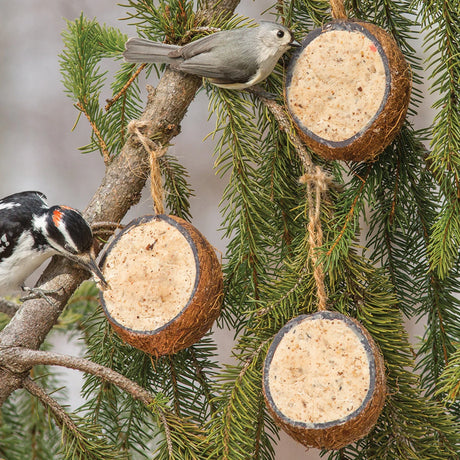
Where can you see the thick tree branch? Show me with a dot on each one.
(120, 189)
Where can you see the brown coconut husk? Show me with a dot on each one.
(331, 434)
(195, 316)
(383, 127)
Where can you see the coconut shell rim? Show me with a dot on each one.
(347, 25)
(134, 223)
(372, 371)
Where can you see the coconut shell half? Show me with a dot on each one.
(165, 284)
(324, 380)
(348, 89)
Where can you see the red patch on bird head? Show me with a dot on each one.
(57, 216)
(373, 48)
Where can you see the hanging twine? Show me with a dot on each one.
(338, 9)
(317, 184)
(155, 151)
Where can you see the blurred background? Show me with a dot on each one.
(39, 149)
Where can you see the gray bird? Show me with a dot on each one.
(235, 59)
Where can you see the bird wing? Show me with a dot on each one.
(16, 216)
(214, 57)
(230, 70)
(202, 45)
(10, 231)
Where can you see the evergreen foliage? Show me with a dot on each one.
(38, 437)
(406, 266)
(441, 21)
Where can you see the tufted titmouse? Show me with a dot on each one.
(234, 59)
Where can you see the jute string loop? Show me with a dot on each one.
(338, 9)
(155, 151)
(317, 184)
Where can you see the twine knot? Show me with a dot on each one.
(338, 10)
(319, 177)
(155, 150)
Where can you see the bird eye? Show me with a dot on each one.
(280, 34)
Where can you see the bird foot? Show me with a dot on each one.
(261, 93)
(37, 293)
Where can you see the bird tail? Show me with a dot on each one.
(142, 50)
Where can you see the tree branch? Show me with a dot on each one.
(120, 189)
(19, 360)
(285, 123)
(60, 415)
(22, 358)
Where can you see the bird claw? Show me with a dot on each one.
(37, 293)
(260, 92)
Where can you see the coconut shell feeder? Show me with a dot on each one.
(165, 284)
(324, 380)
(348, 89)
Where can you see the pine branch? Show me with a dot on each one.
(58, 411)
(18, 360)
(174, 427)
(236, 433)
(38, 437)
(405, 208)
(241, 427)
(350, 205)
(238, 151)
(186, 379)
(441, 22)
(306, 14)
(450, 379)
(103, 146)
(85, 442)
(178, 190)
(285, 123)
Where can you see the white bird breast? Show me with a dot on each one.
(14, 272)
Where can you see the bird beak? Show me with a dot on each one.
(87, 261)
(295, 44)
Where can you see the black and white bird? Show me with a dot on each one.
(31, 232)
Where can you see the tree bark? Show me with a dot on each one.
(120, 189)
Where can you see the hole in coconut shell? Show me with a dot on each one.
(324, 380)
(348, 90)
(165, 284)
